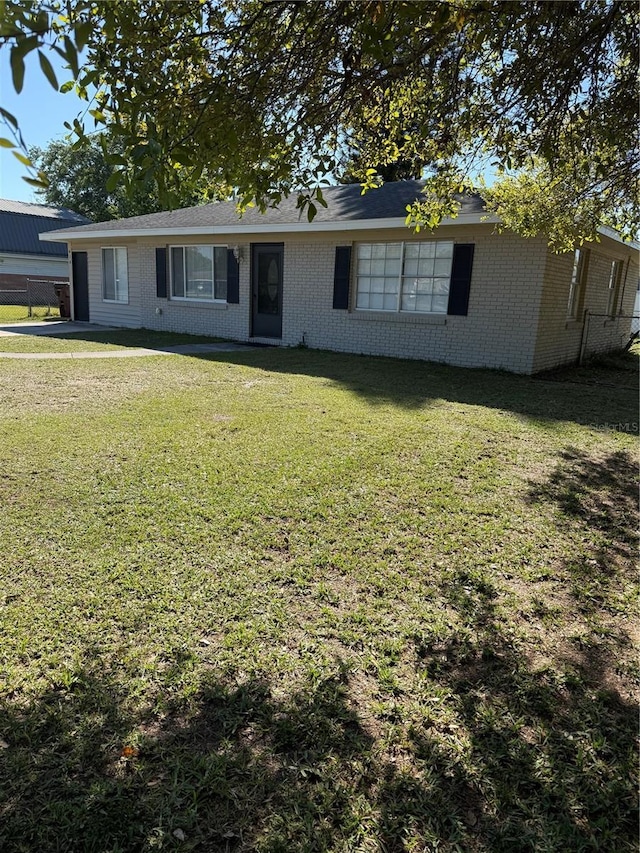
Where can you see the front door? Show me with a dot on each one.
(266, 288)
(80, 273)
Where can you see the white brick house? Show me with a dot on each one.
(356, 279)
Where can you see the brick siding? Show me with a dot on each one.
(516, 319)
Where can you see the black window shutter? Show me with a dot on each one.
(341, 277)
(460, 279)
(233, 279)
(161, 273)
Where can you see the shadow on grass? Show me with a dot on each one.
(596, 499)
(598, 493)
(415, 384)
(529, 764)
(552, 758)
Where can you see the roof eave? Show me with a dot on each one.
(281, 228)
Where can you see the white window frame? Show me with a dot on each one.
(204, 299)
(119, 299)
(578, 283)
(403, 276)
(615, 277)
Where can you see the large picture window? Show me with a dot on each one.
(199, 272)
(411, 277)
(115, 278)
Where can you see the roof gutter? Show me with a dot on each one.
(65, 235)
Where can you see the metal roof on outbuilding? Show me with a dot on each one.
(22, 222)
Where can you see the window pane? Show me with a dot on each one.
(378, 271)
(177, 271)
(108, 274)
(442, 266)
(122, 276)
(390, 302)
(439, 303)
(410, 286)
(425, 266)
(441, 286)
(423, 303)
(408, 302)
(427, 249)
(424, 285)
(220, 272)
(412, 250)
(199, 262)
(444, 250)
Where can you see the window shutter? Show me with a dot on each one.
(161, 273)
(341, 277)
(233, 278)
(460, 279)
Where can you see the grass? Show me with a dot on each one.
(97, 341)
(20, 313)
(284, 600)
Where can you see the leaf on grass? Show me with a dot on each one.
(129, 752)
(179, 834)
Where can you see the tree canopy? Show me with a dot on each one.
(80, 177)
(274, 98)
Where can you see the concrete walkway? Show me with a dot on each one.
(58, 328)
(51, 327)
(180, 349)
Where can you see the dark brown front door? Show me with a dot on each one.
(266, 289)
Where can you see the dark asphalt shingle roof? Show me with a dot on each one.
(21, 223)
(344, 204)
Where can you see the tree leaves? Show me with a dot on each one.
(47, 70)
(262, 102)
(16, 59)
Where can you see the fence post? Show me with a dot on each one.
(29, 300)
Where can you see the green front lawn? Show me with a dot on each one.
(20, 313)
(97, 341)
(284, 600)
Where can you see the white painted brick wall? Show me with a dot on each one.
(517, 306)
(559, 340)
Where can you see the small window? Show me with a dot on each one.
(115, 278)
(409, 277)
(578, 284)
(199, 273)
(615, 275)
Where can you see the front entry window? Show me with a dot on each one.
(268, 284)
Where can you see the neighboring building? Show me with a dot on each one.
(24, 258)
(356, 279)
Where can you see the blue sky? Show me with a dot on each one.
(41, 113)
